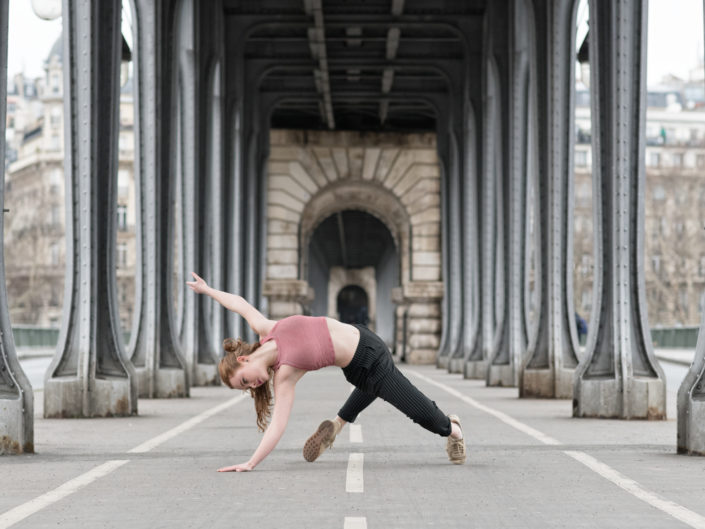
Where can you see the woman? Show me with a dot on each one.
(289, 348)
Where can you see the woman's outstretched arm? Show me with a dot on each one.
(234, 303)
(283, 402)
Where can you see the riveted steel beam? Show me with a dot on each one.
(619, 376)
(16, 397)
(195, 335)
(154, 348)
(551, 353)
(506, 357)
(89, 376)
(691, 401)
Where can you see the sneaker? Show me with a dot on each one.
(456, 447)
(322, 439)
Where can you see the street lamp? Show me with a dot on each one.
(47, 9)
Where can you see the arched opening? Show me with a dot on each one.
(352, 305)
(352, 254)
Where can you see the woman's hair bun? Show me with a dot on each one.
(231, 344)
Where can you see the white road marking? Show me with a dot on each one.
(673, 509)
(355, 523)
(26, 509)
(528, 430)
(355, 433)
(186, 425)
(21, 512)
(677, 511)
(354, 480)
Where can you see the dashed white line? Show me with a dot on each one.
(355, 433)
(673, 509)
(354, 480)
(186, 425)
(21, 512)
(355, 523)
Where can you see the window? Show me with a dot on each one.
(122, 217)
(55, 214)
(55, 117)
(700, 161)
(123, 183)
(581, 158)
(678, 159)
(656, 263)
(655, 159)
(121, 255)
(680, 228)
(659, 193)
(54, 253)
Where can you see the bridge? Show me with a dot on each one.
(323, 156)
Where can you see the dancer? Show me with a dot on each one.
(287, 349)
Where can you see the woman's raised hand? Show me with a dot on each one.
(199, 286)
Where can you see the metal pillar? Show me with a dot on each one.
(552, 351)
(154, 350)
(691, 401)
(471, 255)
(16, 397)
(477, 363)
(505, 360)
(196, 343)
(88, 376)
(619, 377)
(454, 278)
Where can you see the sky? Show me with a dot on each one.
(675, 38)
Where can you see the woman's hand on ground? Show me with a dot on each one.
(242, 467)
(199, 286)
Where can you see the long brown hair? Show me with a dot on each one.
(235, 348)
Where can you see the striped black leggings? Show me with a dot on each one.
(373, 373)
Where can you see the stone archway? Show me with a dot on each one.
(395, 178)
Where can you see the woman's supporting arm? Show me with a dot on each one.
(284, 401)
(234, 303)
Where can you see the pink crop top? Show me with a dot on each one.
(303, 342)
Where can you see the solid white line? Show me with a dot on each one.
(21, 512)
(355, 433)
(354, 479)
(355, 523)
(186, 425)
(679, 512)
(528, 430)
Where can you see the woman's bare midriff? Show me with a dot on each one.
(345, 338)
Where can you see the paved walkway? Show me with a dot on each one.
(530, 465)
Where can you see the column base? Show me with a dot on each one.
(205, 375)
(501, 376)
(12, 428)
(110, 397)
(476, 369)
(455, 365)
(603, 398)
(546, 384)
(168, 383)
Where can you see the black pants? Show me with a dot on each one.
(373, 373)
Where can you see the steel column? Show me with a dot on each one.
(454, 278)
(471, 241)
(477, 365)
(16, 396)
(619, 377)
(195, 340)
(155, 351)
(551, 357)
(691, 401)
(89, 376)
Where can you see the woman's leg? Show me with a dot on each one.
(396, 389)
(357, 401)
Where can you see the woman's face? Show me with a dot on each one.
(250, 374)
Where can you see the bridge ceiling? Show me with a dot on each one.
(357, 65)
